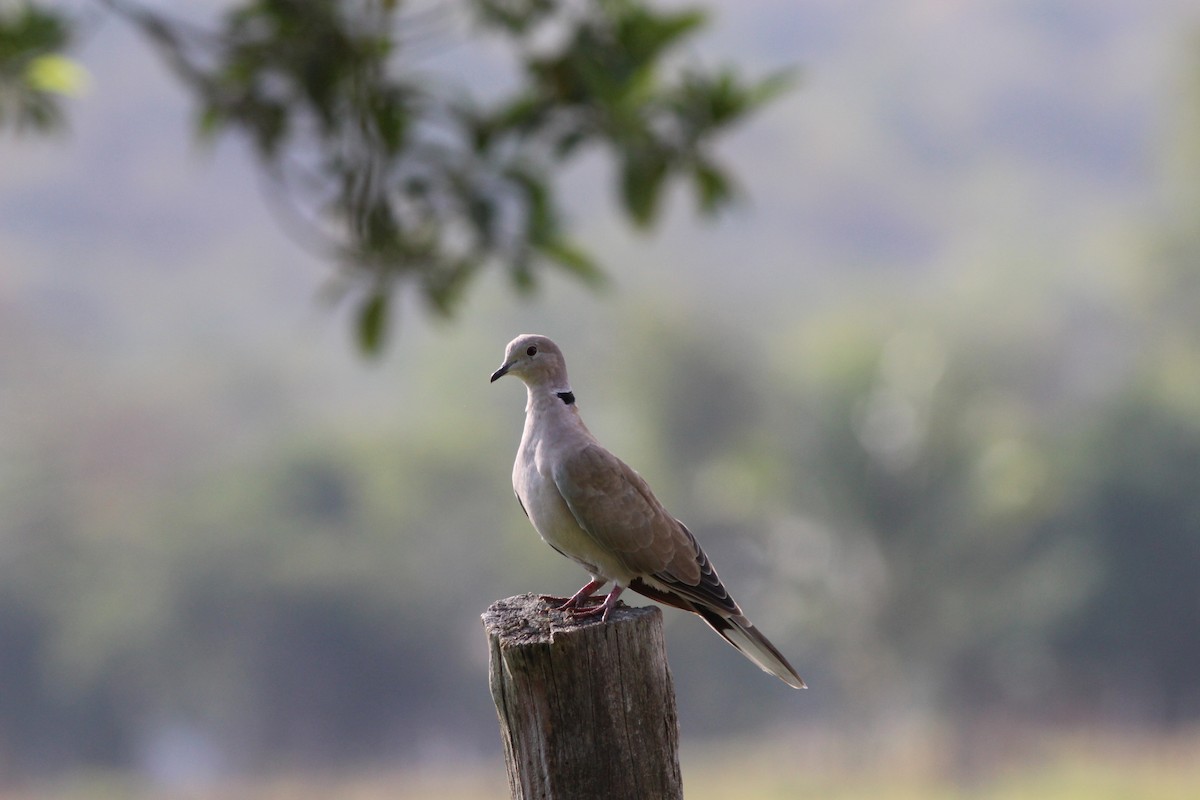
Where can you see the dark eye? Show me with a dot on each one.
(532, 351)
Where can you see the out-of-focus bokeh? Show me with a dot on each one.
(930, 398)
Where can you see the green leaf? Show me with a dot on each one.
(644, 34)
(373, 323)
(209, 123)
(573, 259)
(481, 210)
(642, 178)
(516, 16)
(520, 269)
(713, 187)
(568, 142)
(704, 103)
(57, 74)
(541, 217)
(773, 85)
(390, 114)
(520, 115)
(444, 283)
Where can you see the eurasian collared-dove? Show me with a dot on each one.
(593, 508)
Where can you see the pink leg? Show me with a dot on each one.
(575, 600)
(605, 608)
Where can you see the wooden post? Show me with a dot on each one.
(586, 708)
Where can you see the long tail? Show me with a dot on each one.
(735, 629)
(747, 640)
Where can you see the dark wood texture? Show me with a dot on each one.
(586, 708)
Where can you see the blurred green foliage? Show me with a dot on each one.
(402, 179)
(34, 74)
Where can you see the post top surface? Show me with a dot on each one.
(528, 619)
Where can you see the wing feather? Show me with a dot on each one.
(703, 587)
(614, 505)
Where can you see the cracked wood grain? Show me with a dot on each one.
(586, 708)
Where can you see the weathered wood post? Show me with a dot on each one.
(586, 708)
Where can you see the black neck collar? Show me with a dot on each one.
(567, 397)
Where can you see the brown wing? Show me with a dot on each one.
(704, 591)
(615, 506)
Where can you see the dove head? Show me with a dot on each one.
(536, 360)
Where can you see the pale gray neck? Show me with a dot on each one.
(547, 415)
(550, 400)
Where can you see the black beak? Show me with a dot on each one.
(500, 373)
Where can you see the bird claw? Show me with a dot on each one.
(601, 609)
(580, 598)
(572, 604)
(582, 604)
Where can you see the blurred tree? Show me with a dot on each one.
(1142, 508)
(1140, 465)
(934, 465)
(405, 182)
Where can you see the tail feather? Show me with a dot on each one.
(747, 640)
(737, 630)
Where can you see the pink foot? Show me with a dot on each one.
(566, 603)
(577, 600)
(605, 608)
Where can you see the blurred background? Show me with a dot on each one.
(929, 394)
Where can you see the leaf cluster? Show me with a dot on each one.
(406, 183)
(31, 43)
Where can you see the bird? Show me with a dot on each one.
(593, 508)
